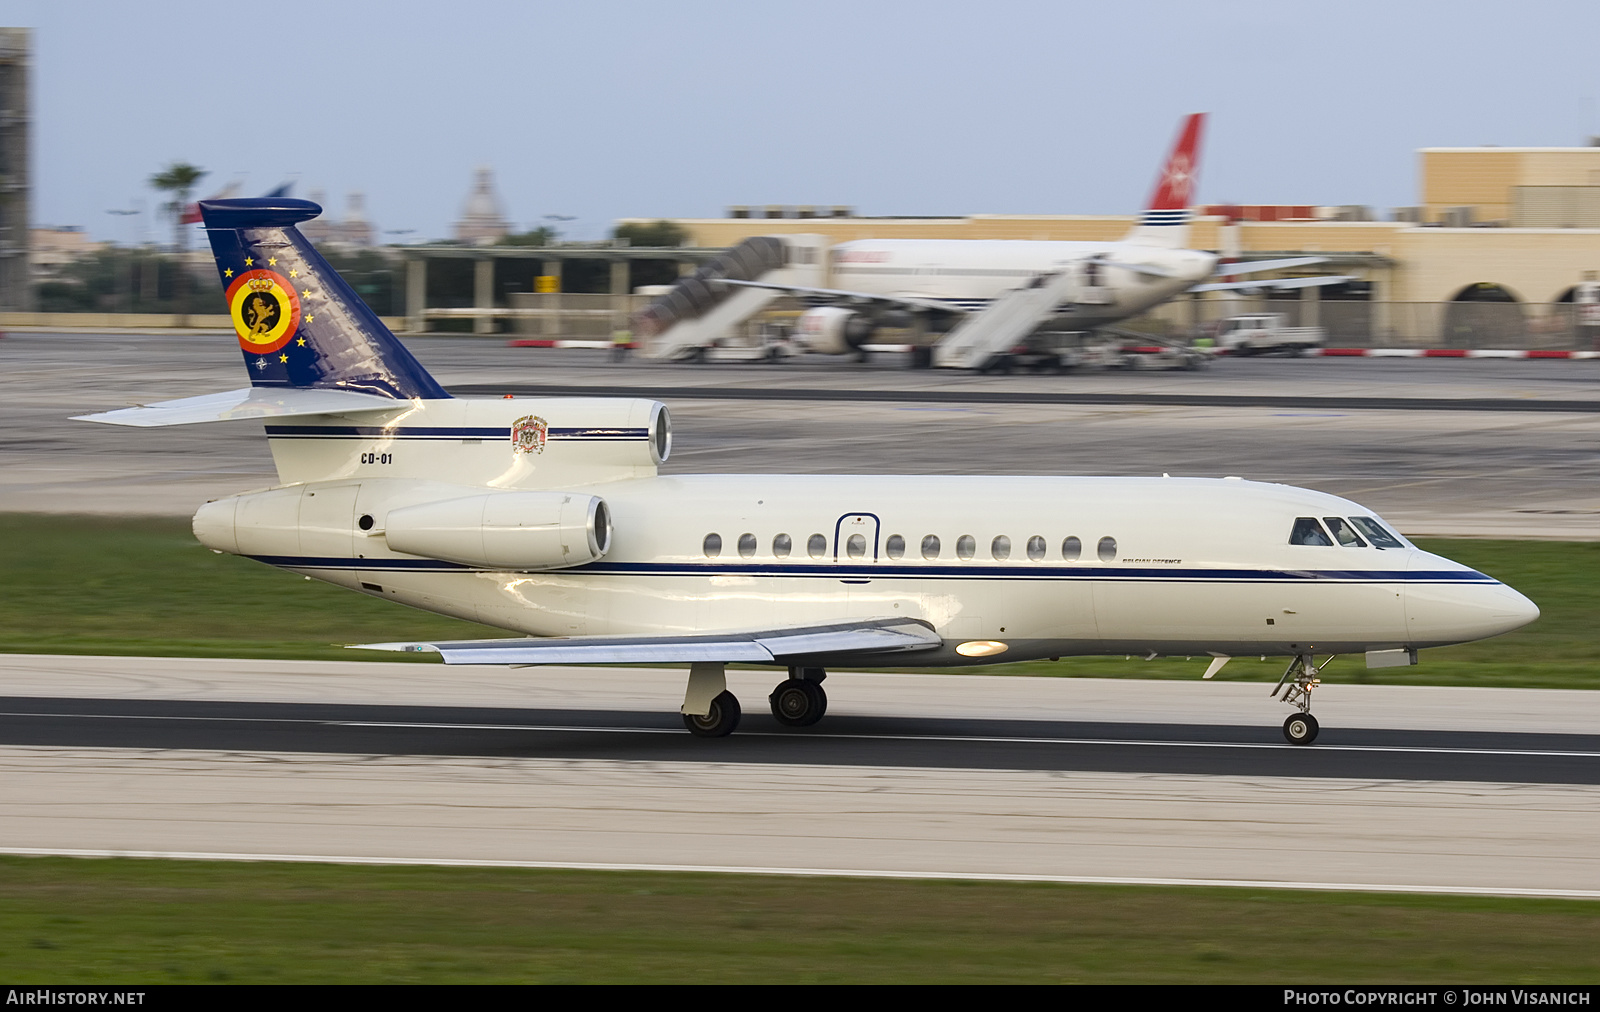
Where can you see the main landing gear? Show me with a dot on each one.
(1297, 682)
(711, 711)
(799, 701)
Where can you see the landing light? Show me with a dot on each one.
(981, 648)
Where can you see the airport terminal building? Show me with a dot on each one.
(1493, 254)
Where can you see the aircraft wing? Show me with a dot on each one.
(1256, 266)
(250, 402)
(1274, 284)
(879, 636)
(905, 301)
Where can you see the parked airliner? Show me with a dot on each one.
(999, 290)
(548, 517)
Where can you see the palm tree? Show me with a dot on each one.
(178, 179)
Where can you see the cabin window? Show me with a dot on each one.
(1308, 532)
(1035, 548)
(895, 547)
(930, 546)
(713, 545)
(1106, 549)
(1344, 533)
(966, 547)
(747, 545)
(1000, 548)
(855, 546)
(782, 544)
(1376, 533)
(817, 546)
(1071, 549)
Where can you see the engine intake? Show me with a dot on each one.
(833, 330)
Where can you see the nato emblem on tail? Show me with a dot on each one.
(299, 324)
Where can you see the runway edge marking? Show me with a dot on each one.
(964, 876)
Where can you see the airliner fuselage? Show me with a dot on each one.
(969, 274)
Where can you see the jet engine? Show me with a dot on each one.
(523, 531)
(832, 330)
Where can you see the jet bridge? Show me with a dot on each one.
(698, 312)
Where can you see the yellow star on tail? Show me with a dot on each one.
(272, 261)
(301, 343)
(228, 273)
(249, 261)
(283, 358)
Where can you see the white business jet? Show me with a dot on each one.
(1001, 291)
(547, 516)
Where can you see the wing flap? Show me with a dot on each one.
(759, 646)
(247, 403)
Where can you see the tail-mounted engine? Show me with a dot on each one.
(316, 526)
(522, 531)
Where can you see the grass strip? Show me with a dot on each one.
(143, 586)
(67, 920)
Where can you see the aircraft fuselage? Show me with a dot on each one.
(1044, 566)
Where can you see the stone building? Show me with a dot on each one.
(483, 221)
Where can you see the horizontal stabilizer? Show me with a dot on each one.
(1274, 284)
(247, 403)
(764, 646)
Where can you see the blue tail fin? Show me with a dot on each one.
(299, 324)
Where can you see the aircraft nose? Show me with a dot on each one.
(1459, 612)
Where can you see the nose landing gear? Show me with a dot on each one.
(1296, 684)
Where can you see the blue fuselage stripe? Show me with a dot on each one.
(885, 571)
(442, 432)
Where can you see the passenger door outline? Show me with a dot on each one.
(857, 523)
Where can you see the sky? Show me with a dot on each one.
(603, 110)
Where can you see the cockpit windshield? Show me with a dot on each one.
(1375, 533)
(1346, 533)
(1343, 532)
(1308, 532)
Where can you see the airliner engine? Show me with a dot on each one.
(522, 531)
(833, 330)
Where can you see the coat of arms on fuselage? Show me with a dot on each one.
(528, 434)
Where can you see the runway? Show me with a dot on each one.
(1163, 748)
(947, 775)
(1436, 447)
(1458, 790)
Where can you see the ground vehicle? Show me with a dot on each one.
(1260, 333)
